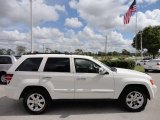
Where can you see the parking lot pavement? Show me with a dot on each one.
(69, 110)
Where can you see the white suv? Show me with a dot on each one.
(38, 79)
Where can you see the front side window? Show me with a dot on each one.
(57, 65)
(30, 64)
(5, 60)
(85, 66)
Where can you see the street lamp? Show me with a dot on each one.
(105, 49)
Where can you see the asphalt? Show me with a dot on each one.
(80, 110)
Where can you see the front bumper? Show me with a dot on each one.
(154, 90)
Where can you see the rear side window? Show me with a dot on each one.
(57, 65)
(30, 64)
(5, 60)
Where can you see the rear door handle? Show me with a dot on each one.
(81, 78)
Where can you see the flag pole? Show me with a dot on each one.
(136, 33)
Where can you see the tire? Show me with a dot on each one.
(36, 101)
(146, 70)
(2, 78)
(130, 102)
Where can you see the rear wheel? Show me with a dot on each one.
(2, 78)
(36, 101)
(134, 99)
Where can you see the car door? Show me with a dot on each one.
(89, 83)
(58, 74)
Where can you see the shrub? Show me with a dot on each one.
(128, 64)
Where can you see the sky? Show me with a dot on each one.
(66, 25)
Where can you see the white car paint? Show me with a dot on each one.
(141, 62)
(76, 85)
(153, 64)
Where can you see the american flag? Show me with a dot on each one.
(128, 14)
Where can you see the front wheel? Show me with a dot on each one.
(134, 100)
(36, 101)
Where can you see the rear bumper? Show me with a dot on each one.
(154, 68)
(12, 92)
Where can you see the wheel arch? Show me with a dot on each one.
(31, 88)
(141, 86)
(2, 72)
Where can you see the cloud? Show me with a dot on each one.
(60, 8)
(101, 14)
(107, 15)
(86, 39)
(147, 1)
(148, 18)
(73, 23)
(12, 36)
(46, 33)
(73, 4)
(18, 12)
(116, 42)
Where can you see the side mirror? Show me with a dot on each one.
(102, 71)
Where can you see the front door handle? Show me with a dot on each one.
(81, 78)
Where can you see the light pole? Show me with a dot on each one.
(141, 46)
(105, 49)
(31, 26)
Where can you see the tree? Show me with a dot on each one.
(10, 52)
(48, 50)
(78, 51)
(3, 51)
(21, 50)
(125, 52)
(150, 40)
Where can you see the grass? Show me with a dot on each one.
(139, 68)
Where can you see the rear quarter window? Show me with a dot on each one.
(5, 60)
(30, 64)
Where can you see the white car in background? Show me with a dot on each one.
(141, 62)
(5, 63)
(153, 64)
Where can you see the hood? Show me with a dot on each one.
(132, 73)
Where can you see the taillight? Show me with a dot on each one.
(9, 78)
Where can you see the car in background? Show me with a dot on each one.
(141, 62)
(153, 64)
(5, 63)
